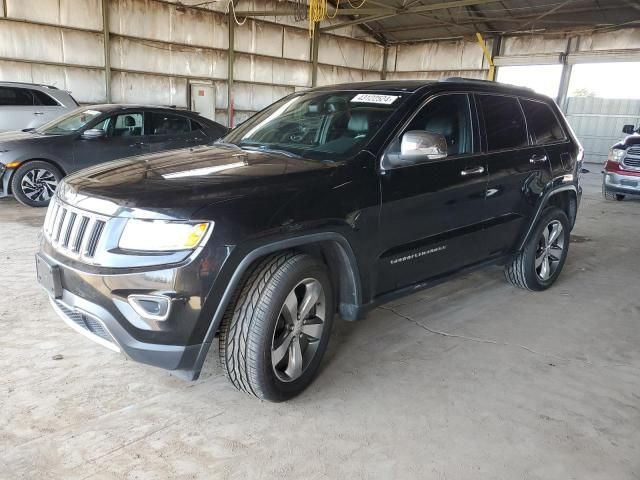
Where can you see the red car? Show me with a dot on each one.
(621, 174)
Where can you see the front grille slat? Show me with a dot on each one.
(69, 229)
(632, 162)
(59, 224)
(94, 238)
(82, 228)
(72, 231)
(634, 151)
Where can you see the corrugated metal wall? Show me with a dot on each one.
(157, 47)
(598, 123)
(435, 60)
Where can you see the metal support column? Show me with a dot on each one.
(487, 55)
(385, 58)
(231, 58)
(107, 50)
(315, 39)
(565, 77)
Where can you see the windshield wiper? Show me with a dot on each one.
(270, 150)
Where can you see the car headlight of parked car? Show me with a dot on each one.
(162, 236)
(616, 155)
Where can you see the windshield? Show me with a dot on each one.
(318, 125)
(69, 123)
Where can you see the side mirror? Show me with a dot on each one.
(628, 129)
(419, 145)
(93, 133)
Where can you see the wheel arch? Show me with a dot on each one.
(564, 197)
(334, 249)
(35, 159)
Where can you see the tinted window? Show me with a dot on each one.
(15, 96)
(543, 124)
(168, 124)
(195, 125)
(450, 117)
(503, 122)
(127, 125)
(42, 98)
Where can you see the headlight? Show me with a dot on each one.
(162, 236)
(616, 154)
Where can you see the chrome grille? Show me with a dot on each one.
(72, 231)
(634, 151)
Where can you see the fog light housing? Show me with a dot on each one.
(151, 307)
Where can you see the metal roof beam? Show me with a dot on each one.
(357, 21)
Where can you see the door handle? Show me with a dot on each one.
(137, 144)
(538, 159)
(472, 171)
(38, 113)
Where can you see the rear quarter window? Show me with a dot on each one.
(543, 124)
(42, 98)
(504, 123)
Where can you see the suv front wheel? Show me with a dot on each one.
(273, 337)
(540, 262)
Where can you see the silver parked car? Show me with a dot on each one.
(27, 105)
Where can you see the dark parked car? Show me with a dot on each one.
(621, 174)
(336, 199)
(33, 162)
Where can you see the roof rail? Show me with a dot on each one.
(52, 87)
(484, 82)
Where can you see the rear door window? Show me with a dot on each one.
(169, 124)
(504, 123)
(10, 96)
(543, 124)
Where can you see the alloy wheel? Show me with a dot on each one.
(298, 330)
(550, 250)
(39, 184)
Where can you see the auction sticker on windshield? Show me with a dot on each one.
(373, 98)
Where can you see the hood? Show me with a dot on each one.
(14, 140)
(177, 183)
(18, 136)
(633, 139)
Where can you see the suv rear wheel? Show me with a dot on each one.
(273, 337)
(539, 264)
(34, 183)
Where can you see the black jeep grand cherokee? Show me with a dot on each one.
(329, 201)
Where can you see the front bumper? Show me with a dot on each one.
(5, 177)
(617, 182)
(96, 303)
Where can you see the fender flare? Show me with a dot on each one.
(346, 308)
(541, 206)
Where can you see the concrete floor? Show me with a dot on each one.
(471, 380)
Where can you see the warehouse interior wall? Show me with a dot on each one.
(157, 48)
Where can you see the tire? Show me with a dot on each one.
(34, 183)
(261, 345)
(527, 269)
